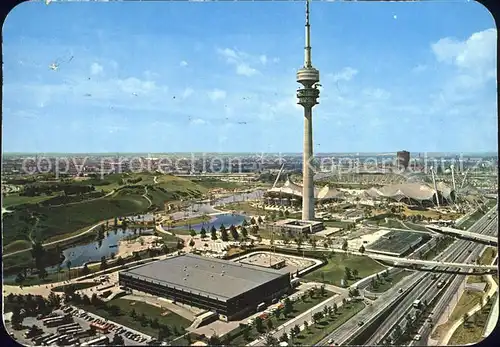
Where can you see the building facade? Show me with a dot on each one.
(236, 299)
(403, 160)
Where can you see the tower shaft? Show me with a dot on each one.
(308, 96)
(307, 170)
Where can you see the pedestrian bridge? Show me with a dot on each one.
(443, 264)
(464, 234)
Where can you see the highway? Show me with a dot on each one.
(427, 291)
(419, 283)
(452, 289)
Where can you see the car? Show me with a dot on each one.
(330, 341)
(400, 290)
(417, 337)
(360, 323)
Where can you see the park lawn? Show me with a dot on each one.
(467, 301)
(17, 246)
(179, 184)
(336, 224)
(334, 270)
(211, 183)
(163, 315)
(491, 202)
(327, 325)
(70, 218)
(298, 307)
(191, 221)
(488, 255)
(430, 214)
(16, 199)
(471, 220)
(417, 227)
(472, 331)
(389, 282)
(268, 234)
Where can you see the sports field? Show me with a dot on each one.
(397, 242)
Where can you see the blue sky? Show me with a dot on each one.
(200, 76)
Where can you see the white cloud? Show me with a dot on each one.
(242, 61)
(217, 94)
(134, 85)
(419, 68)
(187, 93)
(198, 121)
(346, 74)
(476, 54)
(183, 63)
(377, 93)
(96, 69)
(245, 70)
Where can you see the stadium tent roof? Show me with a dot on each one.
(414, 191)
(327, 193)
(290, 188)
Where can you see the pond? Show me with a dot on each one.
(95, 250)
(226, 218)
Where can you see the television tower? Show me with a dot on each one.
(308, 97)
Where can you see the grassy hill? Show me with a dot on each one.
(36, 222)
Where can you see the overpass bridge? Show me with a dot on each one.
(432, 263)
(464, 234)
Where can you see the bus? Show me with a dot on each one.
(70, 325)
(417, 303)
(38, 339)
(261, 306)
(102, 328)
(103, 340)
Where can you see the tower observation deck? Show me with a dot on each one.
(308, 96)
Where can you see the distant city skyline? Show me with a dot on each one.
(166, 78)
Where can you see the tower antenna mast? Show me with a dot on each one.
(308, 96)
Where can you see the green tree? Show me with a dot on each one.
(345, 245)
(104, 264)
(348, 273)
(117, 340)
(317, 317)
(277, 313)
(259, 325)
(191, 243)
(269, 324)
(271, 341)
(246, 333)
(288, 307)
(203, 233)
(244, 233)
(214, 340)
(362, 249)
(192, 233)
(224, 235)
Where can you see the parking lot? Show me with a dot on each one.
(130, 336)
(81, 322)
